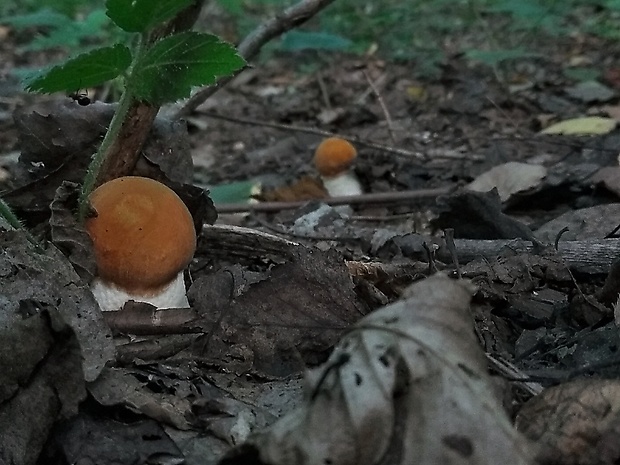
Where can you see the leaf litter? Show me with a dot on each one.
(540, 313)
(406, 384)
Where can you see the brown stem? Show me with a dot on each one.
(123, 154)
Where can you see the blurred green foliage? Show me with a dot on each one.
(493, 32)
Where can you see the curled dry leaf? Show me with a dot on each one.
(68, 235)
(407, 385)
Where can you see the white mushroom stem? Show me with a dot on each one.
(111, 297)
(342, 185)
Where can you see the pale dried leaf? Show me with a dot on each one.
(589, 125)
(407, 385)
(510, 179)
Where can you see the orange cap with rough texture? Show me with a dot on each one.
(143, 233)
(333, 156)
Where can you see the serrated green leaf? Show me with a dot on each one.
(72, 34)
(86, 70)
(142, 15)
(169, 70)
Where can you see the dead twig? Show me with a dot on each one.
(363, 199)
(449, 239)
(250, 46)
(324, 91)
(380, 218)
(323, 133)
(377, 272)
(591, 256)
(384, 109)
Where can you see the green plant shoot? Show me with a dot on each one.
(157, 72)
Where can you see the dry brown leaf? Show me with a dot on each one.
(407, 385)
(575, 423)
(306, 188)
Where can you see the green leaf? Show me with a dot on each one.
(142, 15)
(73, 34)
(234, 192)
(301, 40)
(173, 65)
(86, 70)
(589, 125)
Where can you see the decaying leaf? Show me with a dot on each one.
(53, 340)
(575, 423)
(306, 188)
(583, 224)
(274, 323)
(68, 235)
(87, 439)
(510, 178)
(478, 215)
(408, 384)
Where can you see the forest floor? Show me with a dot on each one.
(541, 250)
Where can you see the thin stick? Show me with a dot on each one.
(288, 19)
(384, 109)
(323, 133)
(383, 197)
(324, 91)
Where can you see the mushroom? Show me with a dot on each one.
(144, 237)
(333, 159)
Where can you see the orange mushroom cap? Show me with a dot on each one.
(334, 156)
(143, 233)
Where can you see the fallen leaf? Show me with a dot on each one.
(583, 224)
(590, 92)
(408, 384)
(306, 188)
(608, 176)
(234, 192)
(510, 179)
(589, 125)
(575, 423)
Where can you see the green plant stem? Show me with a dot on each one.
(95, 165)
(9, 216)
(92, 174)
(12, 220)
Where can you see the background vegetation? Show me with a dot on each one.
(488, 31)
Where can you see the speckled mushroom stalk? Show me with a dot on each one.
(144, 238)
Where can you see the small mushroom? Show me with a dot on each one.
(144, 237)
(333, 159)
